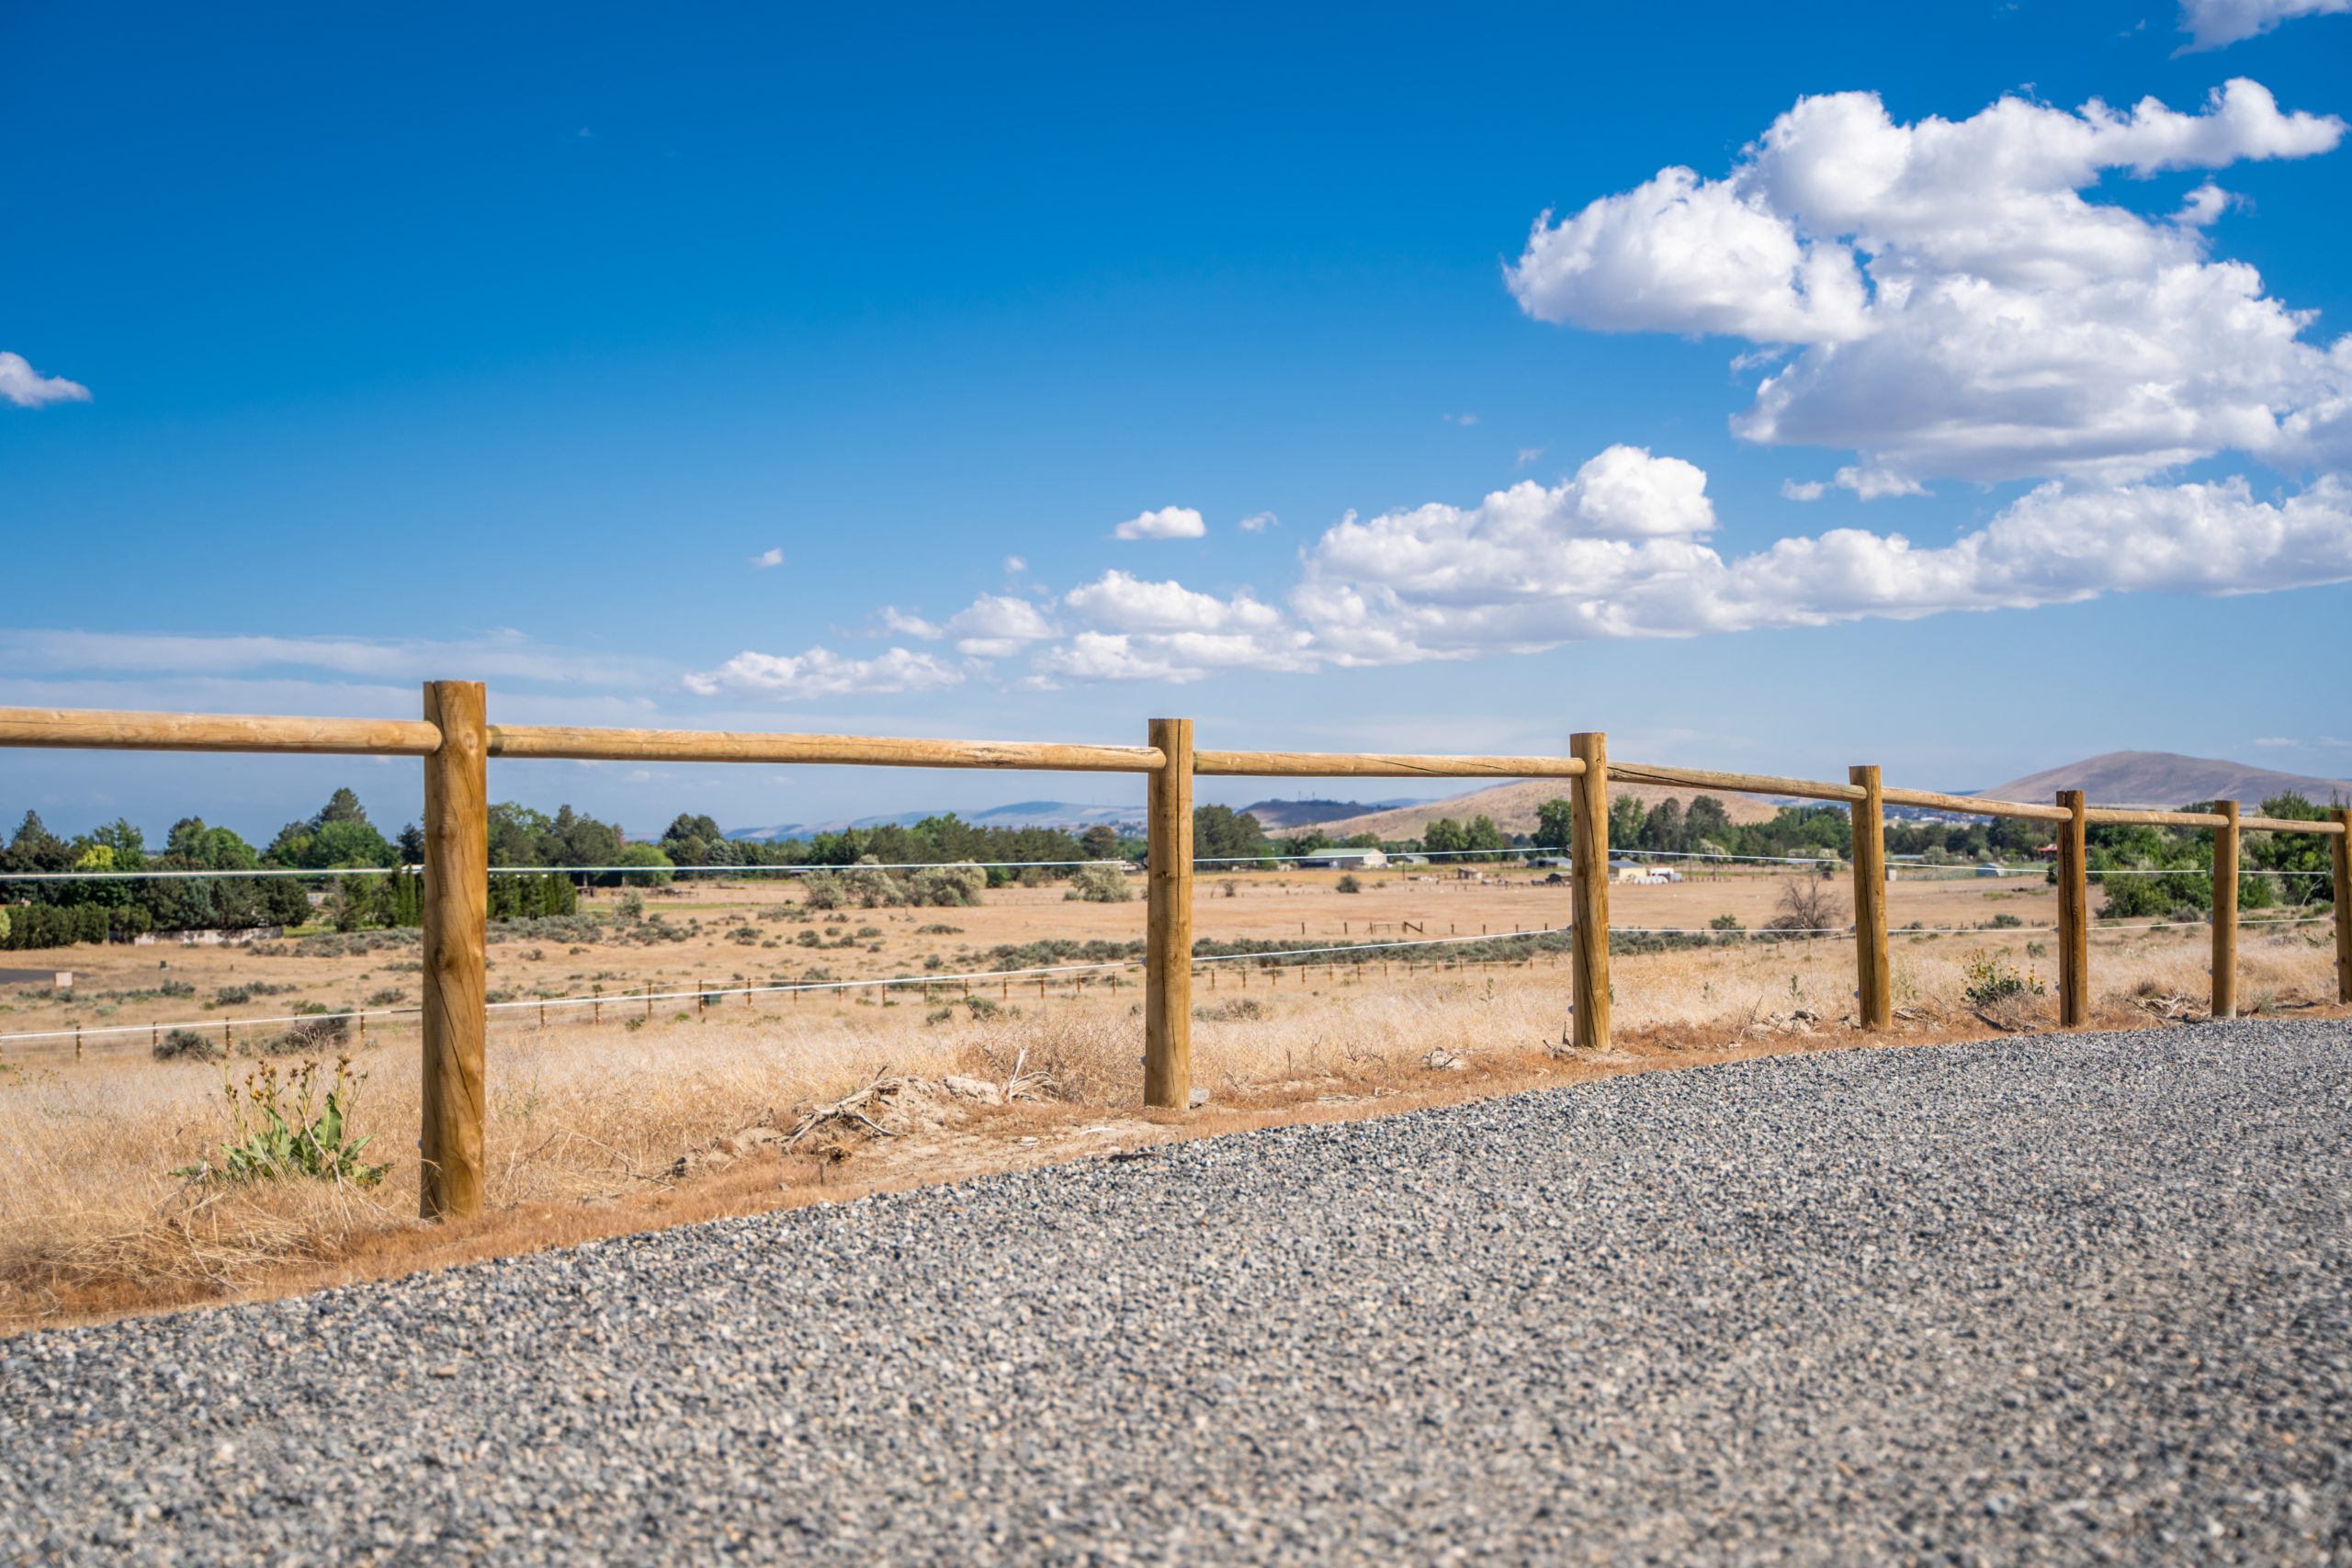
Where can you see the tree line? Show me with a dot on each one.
(338, 837)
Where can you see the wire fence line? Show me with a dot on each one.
(1277, 957)
(1533, 854)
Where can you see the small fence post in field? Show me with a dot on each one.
(1871, 964)
(1168, 913)
(457, 909)
(2226, 911)
(1588, 875)
(2341, 859)
(2074, 914)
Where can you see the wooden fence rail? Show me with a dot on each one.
(456, 741)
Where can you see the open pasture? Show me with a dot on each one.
(588, 1115)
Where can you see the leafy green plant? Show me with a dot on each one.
(1993, 979)
(279, 1129)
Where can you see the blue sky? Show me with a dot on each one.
(348, 349)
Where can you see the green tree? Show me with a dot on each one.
(1707, 819)
(697, 841)
(518, 835)
(343, 806)
(1554, 824)
(583, 840)
(653, 866)
(1444, 838)
(1626, 818)
(35, 848)
(1482, 834)
(209, 849)
(340, 835)
(1219, 832)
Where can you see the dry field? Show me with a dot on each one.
(589, 1120)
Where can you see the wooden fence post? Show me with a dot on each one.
(457, 907)
(2074, 914)
(2226, 911)
(1588, 875)
(1167, 936)
(2341, 859)
(1870, 962)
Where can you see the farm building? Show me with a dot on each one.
(1344, 858)
(1636, 872)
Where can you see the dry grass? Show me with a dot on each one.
(586, 1121)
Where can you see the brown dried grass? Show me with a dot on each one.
(585, 1121)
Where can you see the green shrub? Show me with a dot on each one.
(312, 1034)
(1103, 883)
(1993, 979)
(187, 1045)
(947, 886)
(280, 1130)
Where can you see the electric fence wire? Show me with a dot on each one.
(1270, 958)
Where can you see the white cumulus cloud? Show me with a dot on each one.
(996, 624)
(767, 558)
(1175, 657)
(820, 673)
(1956, 307)
(1142, 630)
(1164, 523)
(1524, 573)
(2210, 24)
(29, 389)
(1123, 602)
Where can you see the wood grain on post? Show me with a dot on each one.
(2284, 824)
(2131, 817)
(1975, 805)
(109, 730)
(2225, 910)
(1589, 878)
(457, 907)
(2340, 857)
(1753, 783)
(1381, 765)
(2074, 914)
(1168, 911)
(867, 750)
(1870, 962)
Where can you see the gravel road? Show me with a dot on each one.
(2057, 1298)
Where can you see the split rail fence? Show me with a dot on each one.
(455, 741)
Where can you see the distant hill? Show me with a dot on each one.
(1019, 814)
(1513, 807)
(2166, 779)
(1273, 814)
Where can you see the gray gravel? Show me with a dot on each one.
(2062, 1298)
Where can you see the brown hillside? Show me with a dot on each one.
(2165, 779)
(1512, 805)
